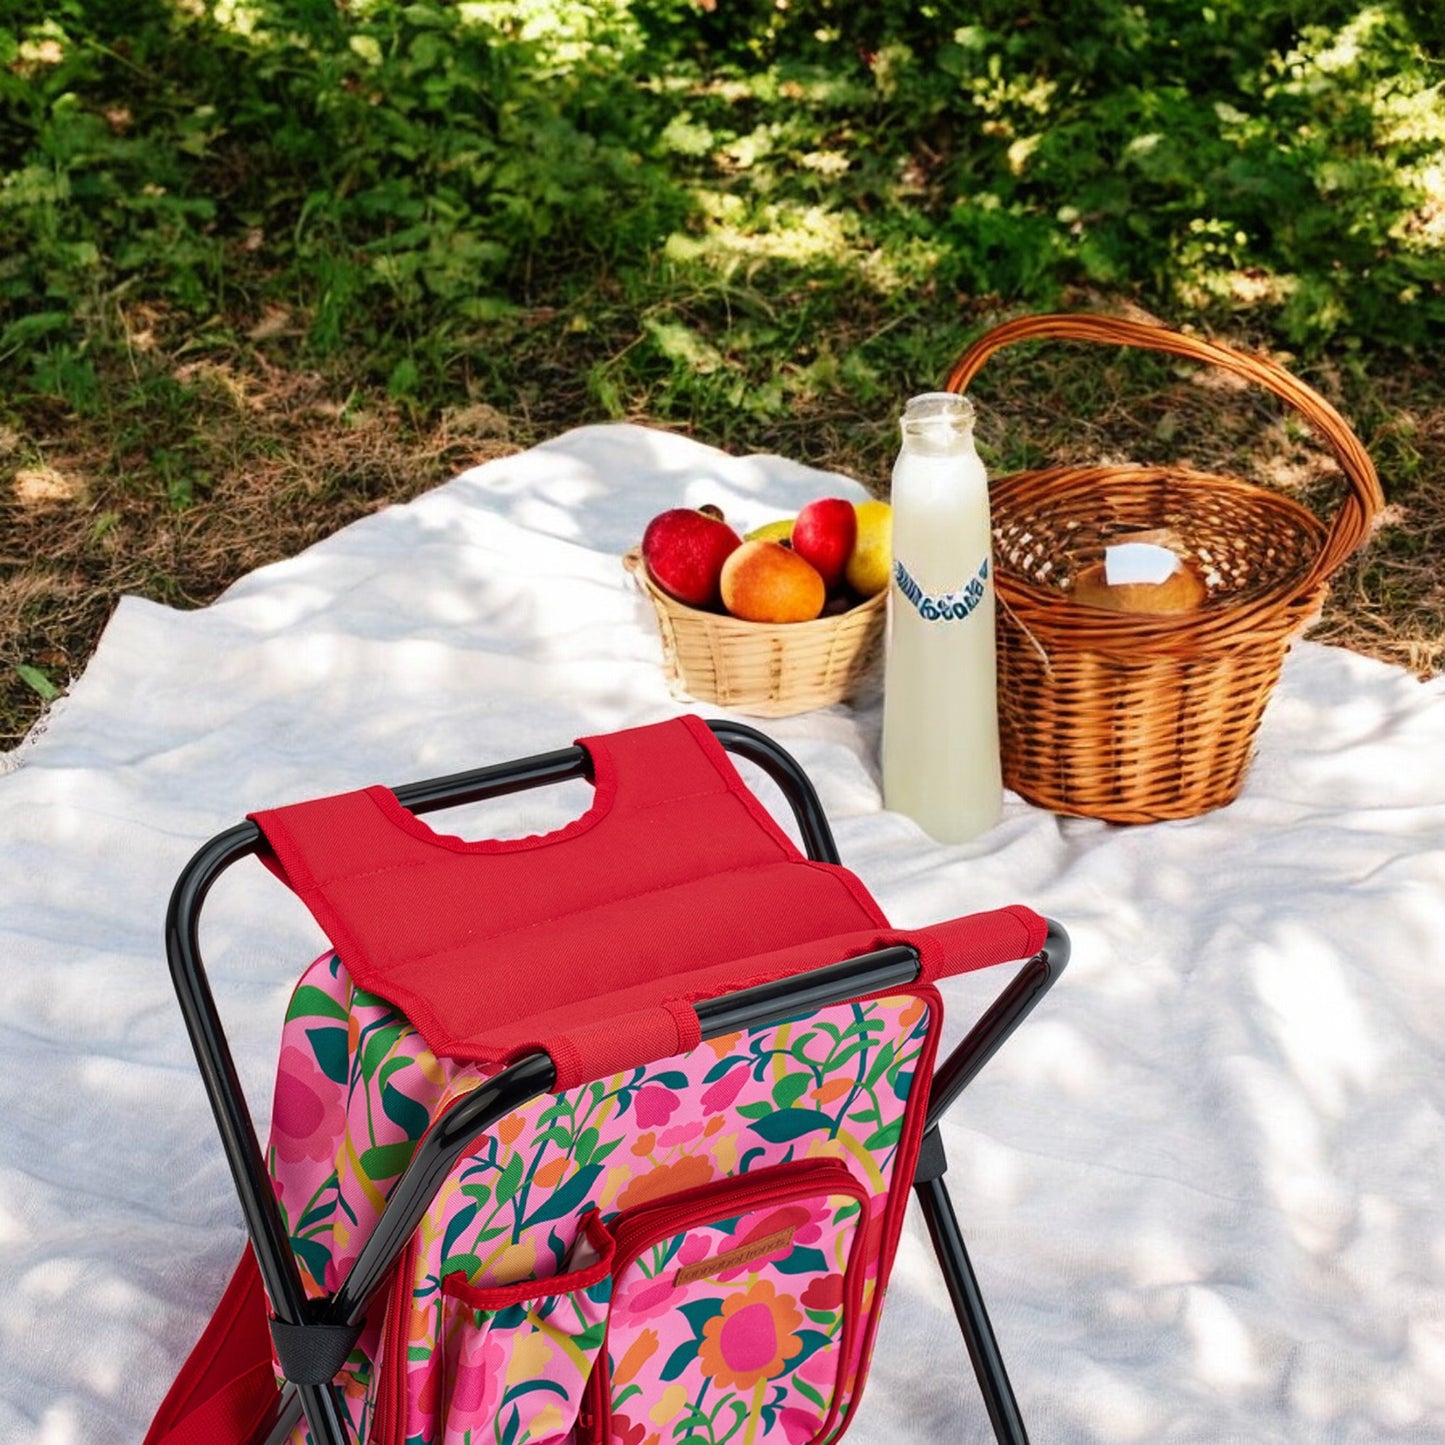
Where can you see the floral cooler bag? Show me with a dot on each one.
(691, 1249)
(689, 1252)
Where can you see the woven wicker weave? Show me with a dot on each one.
(758, 668)
(1131, 717)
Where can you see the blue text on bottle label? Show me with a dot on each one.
(945, 606)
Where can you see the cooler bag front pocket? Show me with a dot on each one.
(516, 1359)
(733, 1310)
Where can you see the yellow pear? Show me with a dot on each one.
(871, 563)
(778, 531)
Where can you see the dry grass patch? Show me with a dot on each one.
(212, 467)
(272, 461)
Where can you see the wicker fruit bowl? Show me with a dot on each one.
(1138, 717)
(759, 668)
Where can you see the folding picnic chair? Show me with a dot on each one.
(603, 1135)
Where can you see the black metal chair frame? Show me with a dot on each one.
(313, 1337)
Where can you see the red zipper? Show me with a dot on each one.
(389, 1418)
(649, 1224)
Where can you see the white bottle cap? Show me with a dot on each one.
(936, 406)
(937, 423)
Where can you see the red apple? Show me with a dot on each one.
(824, 534)
(684, 550)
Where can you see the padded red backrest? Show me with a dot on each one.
(592, 941)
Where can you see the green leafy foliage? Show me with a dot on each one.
(377, 166)
(38, 682)
(420, 184)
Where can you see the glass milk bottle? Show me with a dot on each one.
(940, 702)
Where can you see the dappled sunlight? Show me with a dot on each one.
(602, 498)
(1055, 1055)
(784, 231)
(1343, 54)
(116, 1307)
(240, 17)
(554, 514)
(1424, 228)
(1160, 1259)
(1196, 1182)
(43, 486)
(14, 1232)
(1316, 1017)
(738, 229)
(1427, 1353)
(521, 585)
(1354, 720)
(274, 608)
(564, 34)
(1224, 1356)
(58, 1425)
(1240, 289)
(1204, 1176)
(46, 1284)
(539, 498)
(1326, 1391)
(994, 1171)
(1114, 1409)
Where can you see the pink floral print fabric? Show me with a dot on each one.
(768, 1346)
(728, 1318)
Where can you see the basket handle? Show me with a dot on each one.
(1352, 522)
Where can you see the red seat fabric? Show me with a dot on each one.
(592, 942)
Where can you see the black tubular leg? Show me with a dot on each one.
(267, 1232)
(287, 1418)
(958, 1070)
(997, 1022)
(963, 1290)
(797, 787)
(443, 1145)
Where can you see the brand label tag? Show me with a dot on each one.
(942, 606)
(745, 1254)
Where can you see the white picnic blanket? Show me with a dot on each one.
(1202, 1186)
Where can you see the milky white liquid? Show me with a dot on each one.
(940, 713)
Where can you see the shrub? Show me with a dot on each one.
(402, 177)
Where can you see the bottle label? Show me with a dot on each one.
(943, 606)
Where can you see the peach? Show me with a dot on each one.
(767, 582)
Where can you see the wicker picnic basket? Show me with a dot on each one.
(1131, 717)
(758, 668)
